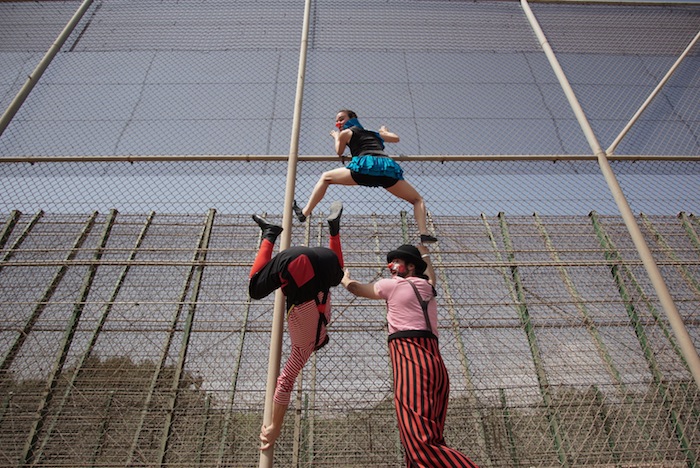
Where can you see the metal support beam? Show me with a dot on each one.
(172, 329)
(674, 317)
(201, 258)
(34, 77)
(93, 340)
(654, 93)
(45, 298)
(617, 271)
(41, 413)
(477, 418)
(517, 289)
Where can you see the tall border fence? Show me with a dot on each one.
(556, 147)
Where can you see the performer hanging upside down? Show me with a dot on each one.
(370, 167)
(305, 275)
(421, 383)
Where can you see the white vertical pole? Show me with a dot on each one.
(273, 368)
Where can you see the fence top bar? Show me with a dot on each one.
(284, 157)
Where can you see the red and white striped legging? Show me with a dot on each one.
(302, 325)
(421, 392)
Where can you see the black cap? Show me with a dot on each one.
(409, 254)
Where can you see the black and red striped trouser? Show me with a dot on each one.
(421, 393)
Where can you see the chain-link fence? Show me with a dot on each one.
(141, 146)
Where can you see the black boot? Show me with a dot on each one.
(297, 211)
(334, 218)
(427, 239)
(269, 231)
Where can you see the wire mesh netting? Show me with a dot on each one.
(129, 173)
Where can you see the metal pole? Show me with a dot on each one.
(633, 120)
(158, 368)
(477, 419)
(275, 355)
(41, 67)
(9, 226)
(42, 412)
(674, 317)
(87, 354)
(172, 396)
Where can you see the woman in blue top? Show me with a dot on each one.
(371, 166)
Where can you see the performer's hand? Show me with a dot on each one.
(346, 278)
(268, 436)
(335, 133)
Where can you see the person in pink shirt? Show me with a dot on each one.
(421, 382)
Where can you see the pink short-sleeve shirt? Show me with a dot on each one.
(403, 309)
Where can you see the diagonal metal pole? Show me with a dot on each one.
(674, 317)
(41, 415)
(654, 93)
(42, 303)
(175, 383)
(87, 354)
(33, 79)
(171, 330)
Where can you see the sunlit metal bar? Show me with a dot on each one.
(95, 335)
(654, 93)
(172, 328)
(103, 429)
(607, 426)
(480, 452)
(657, 376)
(204, 430)
(28, 453)
(674, 317)
(273, 368)
(44, 301)
(34, 77)
(590, 325)
(516, 287)
(238, 264)
(5, 405)
(186, 335)
(640, 291)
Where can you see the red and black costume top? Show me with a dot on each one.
(301, 272)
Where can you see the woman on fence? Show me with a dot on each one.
(370, 167)
(305, 275)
